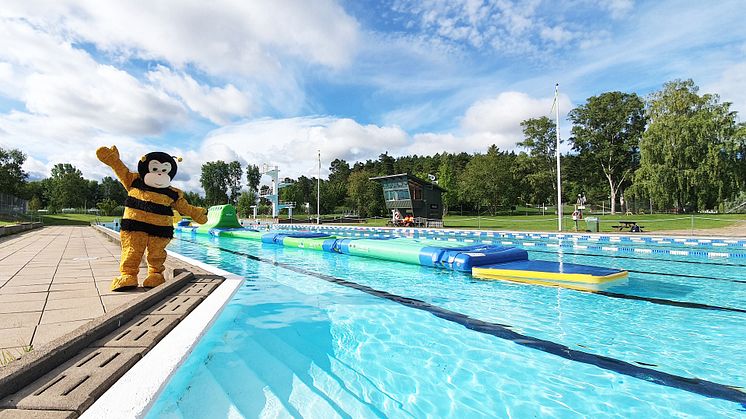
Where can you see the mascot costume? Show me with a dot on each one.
(147, 223)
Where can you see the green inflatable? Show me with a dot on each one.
(220, 216)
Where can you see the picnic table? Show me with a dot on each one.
(629, 225)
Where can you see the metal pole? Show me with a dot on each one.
(318, 193)
(559, 176)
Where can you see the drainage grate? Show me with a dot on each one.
(177, 305)
(199, 288)
(142, 332)
(75, 384)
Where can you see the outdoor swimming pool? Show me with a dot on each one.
(318, 334)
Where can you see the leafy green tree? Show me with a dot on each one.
(334, 192)
(195, 199)
(366, 195)
(37, 189)
(108, 206)
(93, 193)
(447, 180)
(739, 157)
(245, 201)
(253, 177)
(221, 182)
(687, 154)
(34, 204)
(68, 188)
(113, 189)
(386, 164)
(487, 181)
(12, 176)
(539, 171)
(235, 173)
(607, 132)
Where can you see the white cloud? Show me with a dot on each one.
(218, 104)
(618, 8)
(290, 143)
(222, 36)
(731, 86)
(499, 119)
(55, 80)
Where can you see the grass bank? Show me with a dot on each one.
(651, 222)
(73, 219)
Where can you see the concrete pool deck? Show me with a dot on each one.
(53, 280)
(57, 314)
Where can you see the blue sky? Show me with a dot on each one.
(274, 81)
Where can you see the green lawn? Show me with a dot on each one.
(73, 219)
(654, 222)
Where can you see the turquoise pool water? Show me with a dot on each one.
(315, 334)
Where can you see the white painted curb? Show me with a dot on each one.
(134, 394)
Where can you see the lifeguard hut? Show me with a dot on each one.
(409, 194)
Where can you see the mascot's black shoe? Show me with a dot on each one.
(124, 283)
(153, 280)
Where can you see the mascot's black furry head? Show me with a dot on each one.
(157, 169)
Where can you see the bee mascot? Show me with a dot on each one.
(148, 216)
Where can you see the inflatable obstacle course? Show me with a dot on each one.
(220, 217)
(485, 261)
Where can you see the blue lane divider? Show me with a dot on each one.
(605, 243)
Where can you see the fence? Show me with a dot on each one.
(12, 206)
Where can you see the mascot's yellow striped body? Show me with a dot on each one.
(147, 223)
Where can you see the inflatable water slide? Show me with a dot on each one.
(484, 261)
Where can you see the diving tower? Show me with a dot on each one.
(273, 195)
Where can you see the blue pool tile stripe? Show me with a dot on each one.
(694, 385)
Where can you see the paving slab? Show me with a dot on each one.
(71, 314)
(46, 385)
(16, 337)
(48, 279)
(21, 306)
(46, 333)
(12, 320)
(26, 296)
(36, 414)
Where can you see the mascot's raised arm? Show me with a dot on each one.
(147, 223)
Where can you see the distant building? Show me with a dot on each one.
(412, 195)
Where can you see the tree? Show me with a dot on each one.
(386, 164)
(68, 188)
(195, 199)
(253, 177)
(108, 206)
(37, 189)
(366, 195)
(93, 193)
(688, 155)
(245, 201)
(488, 181)
(447, 180)
(300, 191)
(35, 204)
(234, 175)
(12, 176)
(607, 131)
(540, 168)
(221, 181)
(113, 189)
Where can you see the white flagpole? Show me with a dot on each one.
(559, 177)
(318, 193)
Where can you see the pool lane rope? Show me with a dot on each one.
(694, 385)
